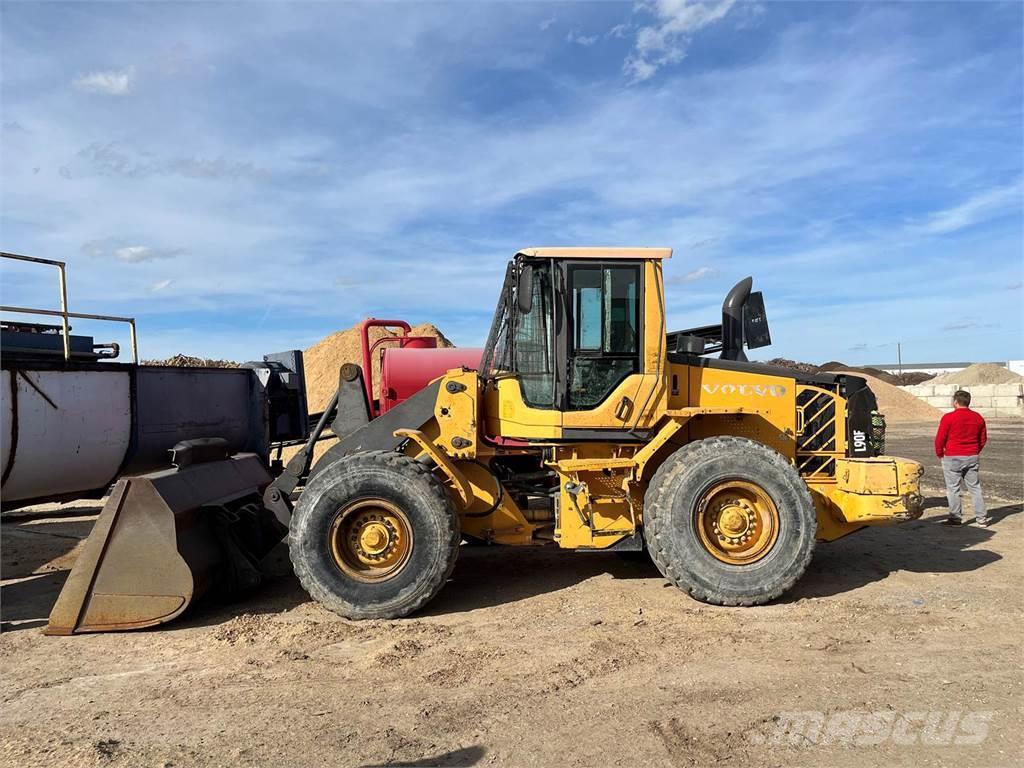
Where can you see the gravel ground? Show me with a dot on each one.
(901, 646)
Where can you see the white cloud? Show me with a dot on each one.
(576, 37)
(697, 274)
(979, 207)
(638, 69)
(111, 82)
(135, 253)
(546, 24)
(667, 40)
(619, 30)
(159, 285)
(129, 254)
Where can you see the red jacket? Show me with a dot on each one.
(961, 433)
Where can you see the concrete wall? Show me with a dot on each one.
(990, 400)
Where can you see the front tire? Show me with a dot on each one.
(729, 521)
(374, 536)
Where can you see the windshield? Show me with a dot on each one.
(493, 358)
(522, 343)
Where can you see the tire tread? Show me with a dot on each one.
(655, 512)
(417, 472)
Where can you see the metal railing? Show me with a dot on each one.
(63, 313)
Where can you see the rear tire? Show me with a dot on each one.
(374, 536)
(729, 521)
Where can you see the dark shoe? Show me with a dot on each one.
(953, 521)
(984, 522)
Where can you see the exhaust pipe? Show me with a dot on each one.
(732, 320)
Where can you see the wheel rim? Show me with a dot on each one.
(371, 540)
(737, 522)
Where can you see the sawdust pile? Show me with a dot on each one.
(980, 373)
(897, 404)
(323, 359)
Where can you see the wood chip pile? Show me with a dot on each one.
(323, 359)
(897, 404)
(187, 361)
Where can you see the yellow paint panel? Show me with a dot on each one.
(765, 406)
(506, 523)
(637, 389)
(455, 413)
(599, 511)
(870, 476)
(508, 415)
(877, 491)
(831, 525)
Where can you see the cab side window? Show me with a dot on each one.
(533, 345)
(604, 345)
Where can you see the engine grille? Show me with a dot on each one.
(817, 439)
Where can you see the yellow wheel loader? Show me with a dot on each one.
(586, 424)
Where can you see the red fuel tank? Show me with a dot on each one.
(406, 370)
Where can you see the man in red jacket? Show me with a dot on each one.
(958, 442)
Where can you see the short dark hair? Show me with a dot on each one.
(962, 397)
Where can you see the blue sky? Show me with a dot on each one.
(249, 177)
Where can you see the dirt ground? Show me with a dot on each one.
(538, 657)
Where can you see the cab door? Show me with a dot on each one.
(610, 380)
(583, 362)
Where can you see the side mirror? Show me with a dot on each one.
(755, 322)
(524, 289)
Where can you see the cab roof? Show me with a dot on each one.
(596, 253)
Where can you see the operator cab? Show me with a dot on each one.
(577, 332)
(579, 348)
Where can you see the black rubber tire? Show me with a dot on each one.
(670, 521)
(413, 488)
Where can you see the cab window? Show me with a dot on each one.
(533, 345)
(604, 348)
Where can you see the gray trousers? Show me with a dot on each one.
(963, 469)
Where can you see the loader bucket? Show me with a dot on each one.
(165, 539)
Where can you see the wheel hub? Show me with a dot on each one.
(375, 538)
(737, 522)
(370, 539)
(735, 518)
